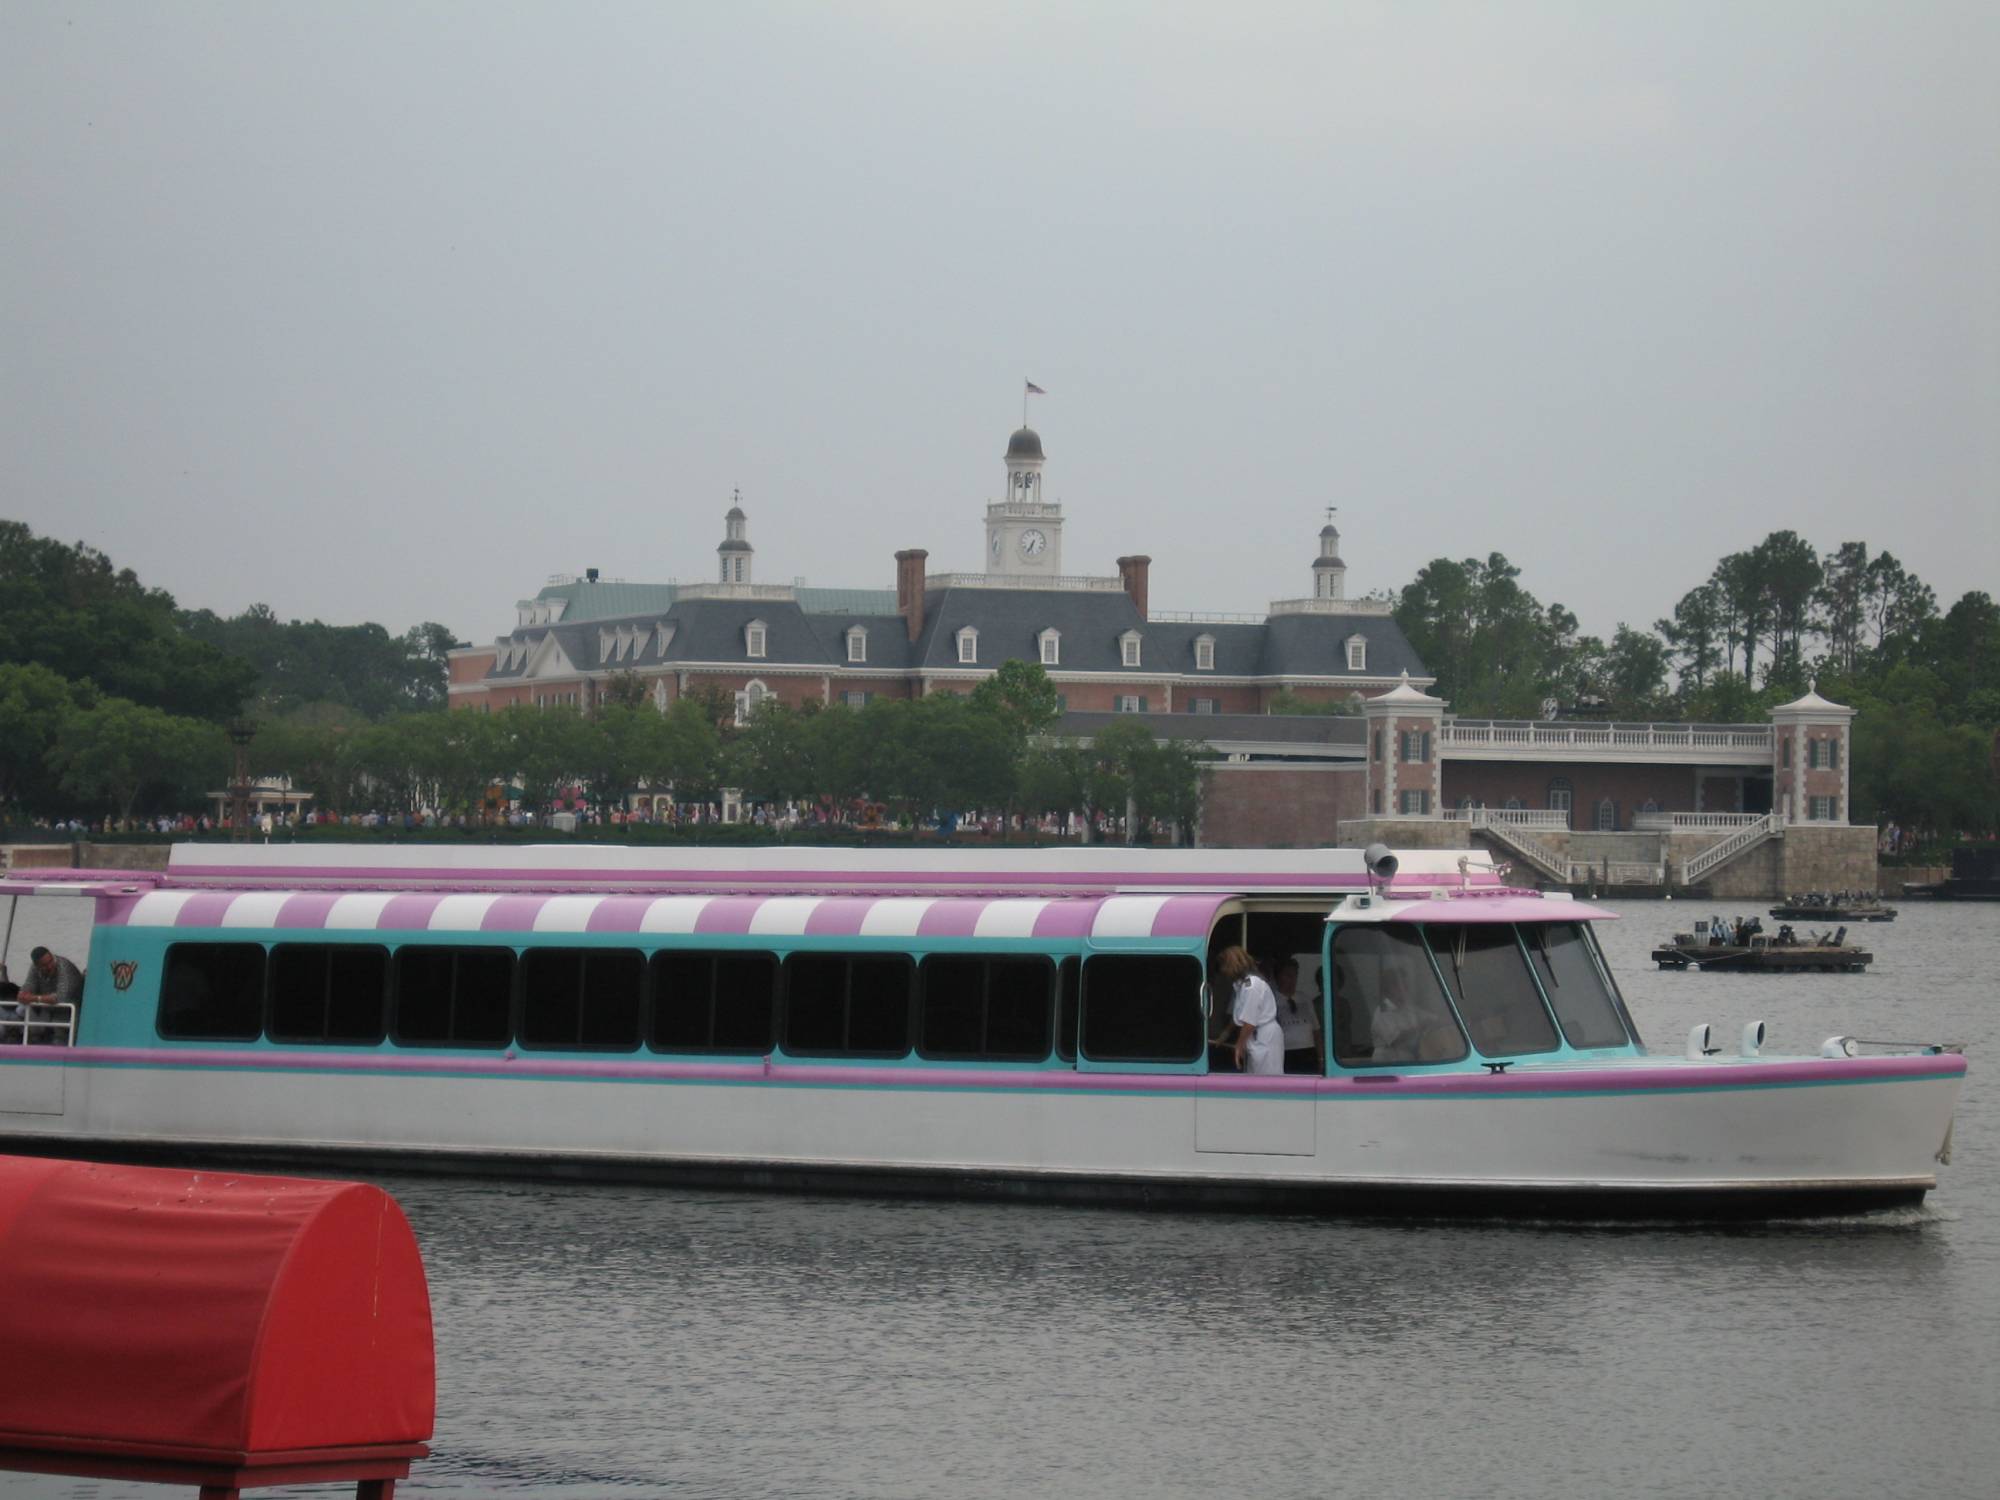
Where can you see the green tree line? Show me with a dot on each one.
(1766, 624)
(115, 699)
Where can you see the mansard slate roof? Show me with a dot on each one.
(1010, 622)
(624, 602)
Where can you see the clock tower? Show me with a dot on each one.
(1024, 531)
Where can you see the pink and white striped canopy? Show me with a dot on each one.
(1092, 918)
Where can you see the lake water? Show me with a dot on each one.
(622, 1341)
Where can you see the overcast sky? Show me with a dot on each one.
(390, 311)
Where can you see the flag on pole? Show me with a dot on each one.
(1035, 390)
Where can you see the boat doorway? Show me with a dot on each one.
(1285, 940)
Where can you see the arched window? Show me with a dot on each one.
(1514, 804)
(1607, 815)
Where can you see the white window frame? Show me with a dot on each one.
(1357, 653)
(1129, 650)
(665, 633)
(756, 640)
(857, 643)
(1128, 703)
(1204, 705)
(1414, 802)
(1050, 646)
(1204, 653)
(748, 701)
(968, 647)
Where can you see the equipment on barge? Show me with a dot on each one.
(1743, 947)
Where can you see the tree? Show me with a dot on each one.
(1695, 634)
(68, 609)
(1841, 601)
(544, 747)
(33, 704)
(616, 751)
(112, 752)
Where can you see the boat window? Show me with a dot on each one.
(1142, 1007)
(1387, 1007)
(1487, 974)
(985, 1008)
(455, 995)
(1070, 984)
(329, 992)
(837, 1003)
(213, 992)
(1570, 978)
(582, 997)
(714, 1002)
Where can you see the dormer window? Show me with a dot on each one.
(754, 638)
(1128, 648)
(664, 634)
(1204, 653)
(1050, 642)
(1357, 653)
(857, 643)
(968, 646)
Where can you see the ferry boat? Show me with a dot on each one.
(1024, 1023)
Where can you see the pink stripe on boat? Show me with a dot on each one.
(412, 909)
(306, 909)
(513, 914)
(728, 914)
(206, 909)
(839, 916)
(1066, 919)
(950, 917)
(1185, 916)
(618, 914)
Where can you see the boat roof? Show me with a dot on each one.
(820, 868)
(1092, 918)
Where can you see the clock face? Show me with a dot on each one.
(1032, 543)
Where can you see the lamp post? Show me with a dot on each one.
(241, 733)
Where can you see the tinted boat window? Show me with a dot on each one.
(329, 992)
(714, 1002)
(582, 997)
(985, 1008)
(1487, 974)
(213, 992)
(455, 995)
(1575, 986)
(857, 1005)
(1387, 1007)
(1142, 1007)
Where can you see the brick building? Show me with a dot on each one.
(1651, 803)
(1101, 643)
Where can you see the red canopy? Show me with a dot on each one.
(205, 1316)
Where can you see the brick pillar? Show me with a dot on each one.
(910, 588)
(1132, 572)
(1810, 758)
(1405, 749)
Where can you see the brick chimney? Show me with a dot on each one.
(910, 588)
(1132, 573)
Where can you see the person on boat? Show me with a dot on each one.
(1298, 1019)
(52, 980)
(1260, 1042)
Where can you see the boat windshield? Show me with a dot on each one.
(1571, 978)
(1387, 1007)
(1485, 970)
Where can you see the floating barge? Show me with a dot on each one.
(1745, 948)
(1834, 909)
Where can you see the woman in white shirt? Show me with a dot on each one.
(1260, 1043)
